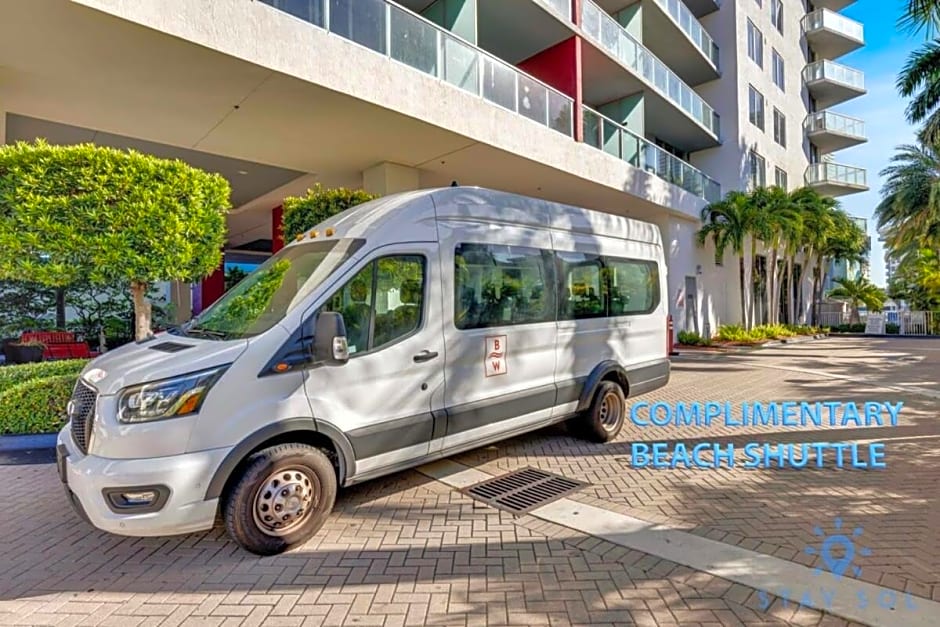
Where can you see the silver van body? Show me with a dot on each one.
(491, 315)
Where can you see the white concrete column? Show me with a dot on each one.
(3, 127)
(389, 178)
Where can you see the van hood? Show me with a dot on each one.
(163, 357)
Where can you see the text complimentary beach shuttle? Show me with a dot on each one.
(402, 330)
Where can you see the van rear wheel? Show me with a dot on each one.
(605, 417)
(280, 499)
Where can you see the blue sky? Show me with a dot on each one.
(886, 49)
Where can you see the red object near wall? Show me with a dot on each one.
(277, 229)
(560, 67)
(213, 286)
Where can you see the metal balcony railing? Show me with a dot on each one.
(836, 22)
(613, 138)
(408, 38)
(684, 19)
(834, 123)
(836, 173)
(610, 35)
(836, 72)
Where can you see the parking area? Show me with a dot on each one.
(408, 549)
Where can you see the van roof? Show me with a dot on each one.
(474, 204)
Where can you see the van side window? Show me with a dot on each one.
(583, 286)
(634, 286)
(382, 303)
(499, 285)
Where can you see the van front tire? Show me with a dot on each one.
(280, 499)
(605, 417)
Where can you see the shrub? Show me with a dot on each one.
(11, 376)
(691, 338)
(302, 214)
(735, 333)
(36, 405)
(892, 329)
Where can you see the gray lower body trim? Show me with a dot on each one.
(648, 377)
(392, 435)
(469, 416)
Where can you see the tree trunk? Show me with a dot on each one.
(818, 284)
(793, 293)
(773, 289)
(743, 282)
(60, 308)
(856, 318)
(753, 294)
(141, 310)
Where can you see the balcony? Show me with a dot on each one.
(615, 139)
(673, 111)
(833, 179)
(561, 7)
(405, 37)
(692, 53)
(702, 7)
(831, 131)
(831, 35)
(830, 83)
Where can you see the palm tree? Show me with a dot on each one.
(919, 80)
(728, 223)
(909, 212)
(921, 15)
(778, 219)
(818, 215)
(856, 292)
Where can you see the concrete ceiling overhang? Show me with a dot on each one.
(248, 180)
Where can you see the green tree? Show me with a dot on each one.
(25, 306)
(856, 292)
(728, 223)
(921, 15)
(909, 212)
(777, 219)
(88, 213)
(305, 212)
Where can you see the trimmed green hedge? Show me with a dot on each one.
(20, 373)
(36, 406)
(33, 396)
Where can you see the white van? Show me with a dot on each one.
(403, 330)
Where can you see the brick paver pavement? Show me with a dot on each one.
(775, 511)
(409, 550)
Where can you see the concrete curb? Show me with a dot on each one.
(27, 449)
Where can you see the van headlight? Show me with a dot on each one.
(169, 398)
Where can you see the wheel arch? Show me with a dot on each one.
(608, 370)
(303, 430)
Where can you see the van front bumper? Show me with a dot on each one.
(94, 485)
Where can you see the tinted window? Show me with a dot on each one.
(583, 289)
(502, 285)
(382, 303)
(634, 286)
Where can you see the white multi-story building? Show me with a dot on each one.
(647, 108)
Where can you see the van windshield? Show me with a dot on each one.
(267, 295)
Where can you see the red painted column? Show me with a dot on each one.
(213, 286)
(277, 228)
(560, 67)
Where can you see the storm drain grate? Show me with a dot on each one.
(521, 491)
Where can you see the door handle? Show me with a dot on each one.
(425, 355)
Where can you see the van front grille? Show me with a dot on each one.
(81, 413)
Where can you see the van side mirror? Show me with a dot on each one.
(329, 338)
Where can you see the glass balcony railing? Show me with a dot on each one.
(408, 38)
(831, 71)
(834, 123)
(681, 15)
(610, 35)
(835, 173)
(830, 20)
(562, 7)
(615, 139)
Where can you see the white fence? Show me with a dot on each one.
(895, 322)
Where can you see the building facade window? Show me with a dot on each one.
(780, 128)
(777, 71)
(757, 173)
(755, 44)
(776, 14)
(780, 178)
(755, 107)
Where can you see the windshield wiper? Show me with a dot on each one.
(197, 331)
